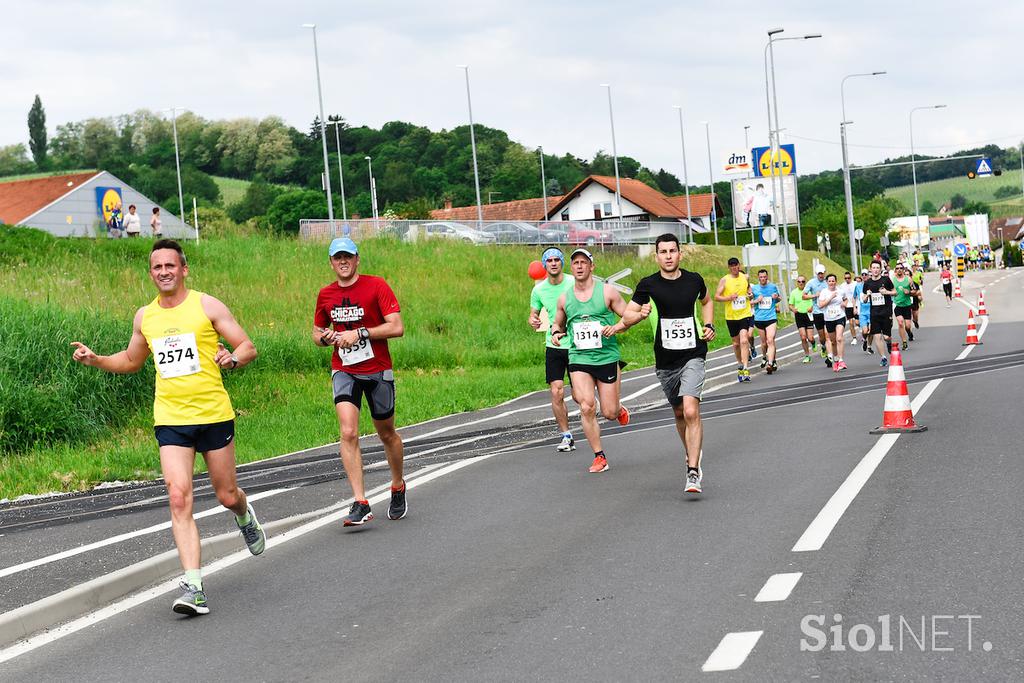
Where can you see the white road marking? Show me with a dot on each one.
(819, 530)
(732, 651)
(778, 587)
(331, 515)
(981, 333)
(8, 571)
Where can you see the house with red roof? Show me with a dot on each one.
(80, 205)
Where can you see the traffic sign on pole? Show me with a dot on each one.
(984, 168)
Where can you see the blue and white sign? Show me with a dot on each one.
(960, 249)
(984, 167)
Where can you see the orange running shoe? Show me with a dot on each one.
(623, 416)
(600, 464)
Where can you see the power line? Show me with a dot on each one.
(899, 147)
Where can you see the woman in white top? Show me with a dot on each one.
(132, 224)
(831, 301)
(154, 223)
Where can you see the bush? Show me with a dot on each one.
(45, 397)
(1006, 191)
(214, 222)
(255, 202)
(286, 211)
(1012, 255)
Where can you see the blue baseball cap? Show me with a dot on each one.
(552, 253)
(342, 244)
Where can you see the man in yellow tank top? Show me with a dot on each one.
(734, 291)
(191, 409)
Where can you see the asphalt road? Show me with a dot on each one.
(518, 565)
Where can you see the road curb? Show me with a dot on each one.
(23, 622)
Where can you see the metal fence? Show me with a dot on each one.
(574, 233)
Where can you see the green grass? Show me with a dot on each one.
(466, 346)
(44, 174)
(231, 189)
(941, 191)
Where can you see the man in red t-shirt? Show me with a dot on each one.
(356, 316)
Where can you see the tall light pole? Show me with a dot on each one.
(774, 138)
(615, 152)
(177, 164)
(913, 165)
(711, 177)
(846, 167)
(373, 190)
(472, 142)
(746, 148)
(323, 129)
(543, 182)
(341, 174)
(686, 174)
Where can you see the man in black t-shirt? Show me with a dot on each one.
(680, 343)
(878, 292)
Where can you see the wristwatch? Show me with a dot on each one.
(709, 326)
(234, 361)
(364, 333)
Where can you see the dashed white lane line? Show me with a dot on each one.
(981, 333)
(778, 587)
(819, 530)
(331, 515)
(732, 651)
(8, 571)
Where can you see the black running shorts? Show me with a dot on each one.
(803, 320)
(903, 312)
(735, 326)
(831, 325)
(607, 373)
(763, 324)
(880, 324)
(819, 321)
(378, 387)
(201, 438)
(556, 363)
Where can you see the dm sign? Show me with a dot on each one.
(108, 203)
(784, 162)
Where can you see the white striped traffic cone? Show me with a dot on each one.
(981, 304)
(972, 331)
(897, 416)
(956, 289)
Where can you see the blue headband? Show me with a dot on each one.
(552, 253)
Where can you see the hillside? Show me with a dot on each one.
(466, 344)
(979, 189)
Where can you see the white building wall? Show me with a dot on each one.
(77, 214)
(581, 208)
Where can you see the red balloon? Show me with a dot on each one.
(536, 270)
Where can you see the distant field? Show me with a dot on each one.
(231, 189)
(980, 189)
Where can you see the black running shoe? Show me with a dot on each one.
(828, 361)
(917, 324)
(358, 514)
(910, 335)
(865, 346)
(398, 506)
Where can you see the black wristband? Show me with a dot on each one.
(324, 339)
(709, 326)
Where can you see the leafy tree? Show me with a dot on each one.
(275, 153)
(518, 175)
(958, 201)
(14, 160)
(928, 207)
(974, 207)
(256, 201)
(1006, 191)
(37, 132)
(668, 183)
(290, 207)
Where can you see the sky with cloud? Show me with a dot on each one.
(536, 69)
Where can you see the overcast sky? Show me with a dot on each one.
(536, 69)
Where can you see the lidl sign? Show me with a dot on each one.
(784, 162)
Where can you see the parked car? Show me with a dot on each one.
(581, 234)
(524, 233)
(456, 231)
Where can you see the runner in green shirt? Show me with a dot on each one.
(801, 308)
(918, 294)
(586, 313)
(901, 302)
(544, 297)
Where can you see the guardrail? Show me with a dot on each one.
(574, 233)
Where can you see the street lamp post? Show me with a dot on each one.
(847, 187)
(341, 174)
(177, 165)
(686, 174)
(615, 152)
(711, 177)
(913, 165)
(373, 190)
(543, 182)
(323, 129)
(472, 142)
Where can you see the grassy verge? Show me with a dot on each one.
(466, 346)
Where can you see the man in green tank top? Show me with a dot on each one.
(586, 314)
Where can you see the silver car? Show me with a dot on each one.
(523, 233)
(456, 231)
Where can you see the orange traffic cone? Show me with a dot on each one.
(897, 416)
(956, 289)
(972, 332)
(981, 304)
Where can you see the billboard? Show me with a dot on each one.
(108, 204)
(737, 163)
(785, 163)
(754, 204)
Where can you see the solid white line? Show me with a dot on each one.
(332, 515)
(981, 333)
(778, 587)
(732, 651)
(8, 571)
(819, 530)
